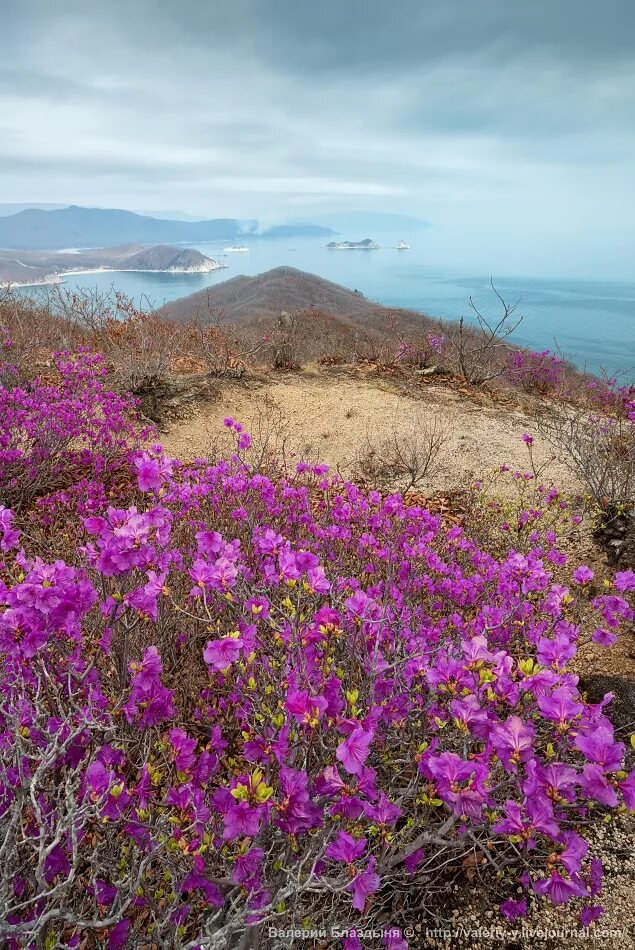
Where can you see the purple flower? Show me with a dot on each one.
(183, 749)
(149, 702)
(575, 849)
(624, 581)
(596, 785)
(118, 935)
(414, 860)
(105, 893)
(560, 706)
(317, 580)
(627, 788)
(363, 885)
(98, 778)
(604, 638)
(556, 652)
(247, 867)
(600, 747)
(359, 604)
(556, 781)
(394, 940)
(560, 889)
(534, 816)
(304, 708)
(589, 915)
(148, 473)
(513, 741)
(354, 751)
(596, 875)
(583, 575)
(513, 909)
(287, 564)
(241, 821)
(220, 654)
(346, 848)
(197, 881)
(384, 812)
(469, 714)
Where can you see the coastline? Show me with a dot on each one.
(52, 279)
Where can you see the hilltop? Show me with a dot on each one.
(245, 301)
(171, 260)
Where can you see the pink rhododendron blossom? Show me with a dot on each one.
(346, 848)
(583, 575)
(364, 885)
(624, 581)
(220, 654)
(354, 751)
(560, 889)
(512, 909)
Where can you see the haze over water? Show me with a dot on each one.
(592, 322)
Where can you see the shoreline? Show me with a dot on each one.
(52, 279)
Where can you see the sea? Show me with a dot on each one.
(589, 322)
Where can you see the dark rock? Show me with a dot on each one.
(616, 532)
(168, 399)
(621, 711)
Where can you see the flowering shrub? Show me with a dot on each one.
(599, 446)
(54, 430)
(517, 519)
(249, 700)
(421, 353)
(536, 372)
(607, 396)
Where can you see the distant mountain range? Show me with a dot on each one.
(53, 227)
(38, 229)
(13, 207)
(98, 227)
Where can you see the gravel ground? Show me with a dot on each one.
(547, 927)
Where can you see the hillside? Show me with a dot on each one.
(165, 258)
(248, 300)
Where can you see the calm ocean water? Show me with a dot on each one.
(591, 322)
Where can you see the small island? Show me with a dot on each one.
(365, 245)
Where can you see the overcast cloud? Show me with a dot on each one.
(510, 126)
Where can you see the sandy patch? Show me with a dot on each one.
(328, 419)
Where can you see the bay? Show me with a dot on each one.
(590, 322)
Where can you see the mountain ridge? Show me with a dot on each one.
(76, 226)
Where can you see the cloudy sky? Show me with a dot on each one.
(509, 125)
